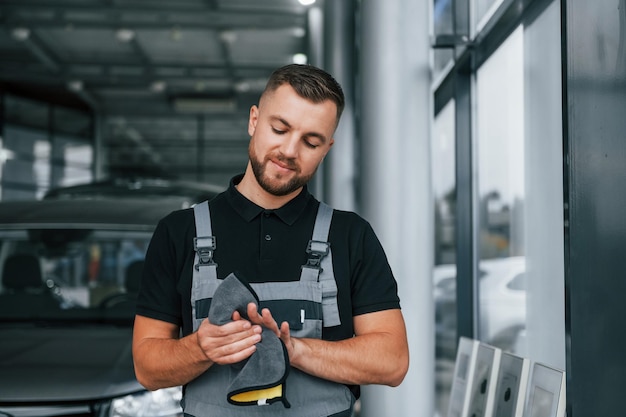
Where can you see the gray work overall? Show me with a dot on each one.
(307, 304)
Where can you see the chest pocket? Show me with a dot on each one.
(298, 303)
(307, 305)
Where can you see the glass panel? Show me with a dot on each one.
(24, 159)
(443, 59)
(33, 157)
(444, 276)
(483, 10)
(72, 162)
(30, 165)
(41, 167)
(443, 24)
(443, 17)
(72, 122)
(545, 273)
(444, 185)
(25, 112)
(125, 138)
(501, 196)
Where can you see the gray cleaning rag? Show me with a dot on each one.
(260, 379)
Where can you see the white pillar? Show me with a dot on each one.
(395, 130)
(339, 49)
(315, 28)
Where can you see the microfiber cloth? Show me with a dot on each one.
(260, 379)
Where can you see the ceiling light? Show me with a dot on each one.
(299, 59)
(176, 34)
(75, 85)
(157, 86)
(20, 34)
(299, 32)
(125, 35)
(250, 85)
(306, 2)
(228, 36)
(242, 87)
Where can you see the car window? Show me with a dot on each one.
(70, 274)
(517, 282)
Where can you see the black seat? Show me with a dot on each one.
(132, 280)
(22, 273)
(24, 292)
(123, 304)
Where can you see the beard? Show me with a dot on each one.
(276, 185)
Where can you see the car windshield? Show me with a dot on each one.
(76, 275)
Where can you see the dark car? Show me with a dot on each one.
(69, 275)
(189, 192)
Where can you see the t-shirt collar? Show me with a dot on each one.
(248, 210)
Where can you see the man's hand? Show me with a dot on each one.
(265, 319)
(230, 343)
(163, 359)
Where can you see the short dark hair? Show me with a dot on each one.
(309, 82)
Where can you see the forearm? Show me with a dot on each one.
(353, 361)
(377, 358)
(161, 363)
(162, 359)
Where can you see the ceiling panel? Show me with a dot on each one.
(176, 45)
(266, 46)
(85, 45)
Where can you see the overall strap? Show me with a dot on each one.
(319, 266)
(204, 280)
(204, 242)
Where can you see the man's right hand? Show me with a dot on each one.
(229, 343)
(163, 359)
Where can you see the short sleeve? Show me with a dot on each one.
(374, 287)
(158, 297)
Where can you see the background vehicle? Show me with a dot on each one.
(502, 319)
(189, 192)
(502, 298)
(69, 271)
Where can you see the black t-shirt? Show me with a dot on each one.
(265, 245)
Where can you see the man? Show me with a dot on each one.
(344, 331)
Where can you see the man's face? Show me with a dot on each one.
(289, 138)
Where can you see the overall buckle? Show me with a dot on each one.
(316, 250)
(204, 247)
